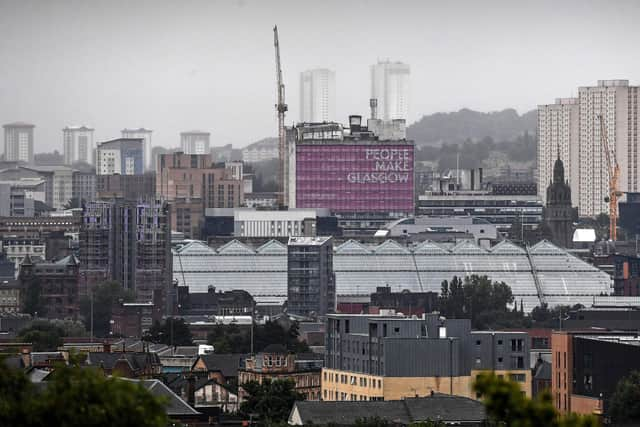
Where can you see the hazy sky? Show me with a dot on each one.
(174, 65)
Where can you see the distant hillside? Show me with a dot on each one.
(271, 141)
(466, 124)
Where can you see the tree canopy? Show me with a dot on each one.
(235, 339)
(46, 335)
(105, 296)
(506, 405)
(172, 331)
(485, 302)
(270, 401)
(624, 405)
(77, 397)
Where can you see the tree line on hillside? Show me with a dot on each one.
(465, 124)
(470, 154)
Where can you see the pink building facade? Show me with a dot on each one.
(356, 176)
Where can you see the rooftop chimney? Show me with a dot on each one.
(355, 123)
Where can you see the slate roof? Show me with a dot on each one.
(275, 349)
(437, 407)
(227, 364)
(137, 361)
(176, 406)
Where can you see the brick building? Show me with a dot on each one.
(192, 183)
(56, 284)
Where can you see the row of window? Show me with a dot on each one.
(352, 380)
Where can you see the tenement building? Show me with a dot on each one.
(53, 284)
(392, 357)
(276, 363)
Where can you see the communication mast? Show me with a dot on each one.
(281, 108)
(614, 175)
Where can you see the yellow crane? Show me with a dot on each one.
(281, 108)
(614, 176)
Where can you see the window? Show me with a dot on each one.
(346, 326)
(499, 359)
(396, 330)
(478, 342)
(517, 377)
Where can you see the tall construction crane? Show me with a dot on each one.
(281, 108)
(614, 176)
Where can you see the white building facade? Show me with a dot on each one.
(18, 142)
(573, 126)
(558, 133)
(617, 102)
(390, 87)
(317, 96)
(195, 142)
(78, 144)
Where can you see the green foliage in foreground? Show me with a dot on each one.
(507, 406)
(76, 397)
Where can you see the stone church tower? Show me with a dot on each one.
(559, 214)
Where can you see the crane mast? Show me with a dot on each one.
(281, 108)
(614, 176)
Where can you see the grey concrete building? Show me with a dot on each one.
(311, 284)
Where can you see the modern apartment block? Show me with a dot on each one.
(78, 144)
(558, 134)
(192, 183)
(122, 156)
(18, 142)
(311, 283)
(390, 88)
(317, 96)
(145, 134)
(127, 241)
(195, 142)
(573, 126)
(391, 357)
(587, 366)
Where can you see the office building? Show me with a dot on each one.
(559, 135)
(392, 357)
(629, 211)
(543, 273)
(317, 96)
(587, 366)
(10, 297)
(195, 142)
(390, 87)
(148, 161)
(18, 142)
(19, 198)
(78, 145)
(120, 156)
(129, 242)
(352, 173)
(58, 285)
(191, 183)
(276, 363)
(311, 283)
(558, 213)
(618, 104)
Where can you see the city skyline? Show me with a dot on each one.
(195, 67)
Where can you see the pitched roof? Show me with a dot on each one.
(227, 364)
(137, 361)
(437, 407)
(275, 348)
(176, 405)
